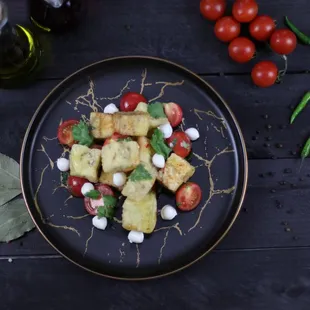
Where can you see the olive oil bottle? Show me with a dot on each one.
(19, 52)
(55, 15)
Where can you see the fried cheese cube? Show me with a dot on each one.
(140, 182)
(120, 156)
(102, 125)
(176, 172)
(140, 215)
(131, 123)
(85, 162)
(107, 178)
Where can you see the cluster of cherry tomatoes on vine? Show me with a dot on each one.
(261, 28)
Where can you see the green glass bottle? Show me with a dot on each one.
(19, 52)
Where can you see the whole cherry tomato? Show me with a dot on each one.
(241, 49)
(64, 133)
(227, 29)
(262, 27)
(188, 196)
(212, 9)
(75, 185)
(283, 41)
(245, 11)
(264, 74)
(130, 101)
(180, 143)
(174, 113)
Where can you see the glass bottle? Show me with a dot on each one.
(19, 52)
(55, 15)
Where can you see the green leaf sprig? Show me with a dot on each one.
(81, 134)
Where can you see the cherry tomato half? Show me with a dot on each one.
(75, 185)
(262, 27)
(264, 74)
(212, 9)
(174, 113)
(283, 41)
(180, 143)
(227, 29)
(130, 101)
(64, 133)
(188, 196)
(115, 137)
(244, 11)
(241, 49)
(91, 205)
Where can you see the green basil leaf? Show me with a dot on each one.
(81, 134)
(93, 194)
(9, 179)
(64, 178)
(159, 145)
(104, 211)
(156, 110)
(109, 201)
(140, 174)
(15, 220)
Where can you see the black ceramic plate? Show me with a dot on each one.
(219, 156)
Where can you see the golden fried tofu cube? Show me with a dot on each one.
(146, 150)
(131, 123)
(138, 189)
(140, 215)
(85, 162)
(155, 122)
(120, 156)
(176, 172)
(102, 125)
(141, 107)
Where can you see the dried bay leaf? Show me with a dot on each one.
(14, 220)
(9, 179)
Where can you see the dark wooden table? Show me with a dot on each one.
(264, 262)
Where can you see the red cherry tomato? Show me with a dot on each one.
(264, 74)
(115, 137)
(64, 133)
(180, 143)
(188, 196)
(262, 27)
(130, 101)
(212, 9)
(241, 49)
(227, 29)
(91, 205)
(174, 113)
(283, 41)
(75, 185)
(244, 11)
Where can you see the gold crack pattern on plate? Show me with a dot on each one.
(49, 139)
(211, 114)
(77, 217)
(161, 251)
(138, 256)
(122, 254)
(87, 241)
(66, 201)
(212, 190)
(39, 210)
(143, 78)
(121, 91)
(42, 149)
(88, 99)
(116, 220)
(162, 90)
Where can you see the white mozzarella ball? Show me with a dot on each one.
(119, 179)
(192, 133)
(63, 164)
(111, 109)
(168, 212)
(86, 188)
(166, 129)
(158, 160)
(135, 236)
(100, 222)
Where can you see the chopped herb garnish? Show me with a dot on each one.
(140, 174)
(159, 145)
(109, 207)
(93, 194)
(124, 139)
(81, 134)
(156, 110)
(64, 178)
